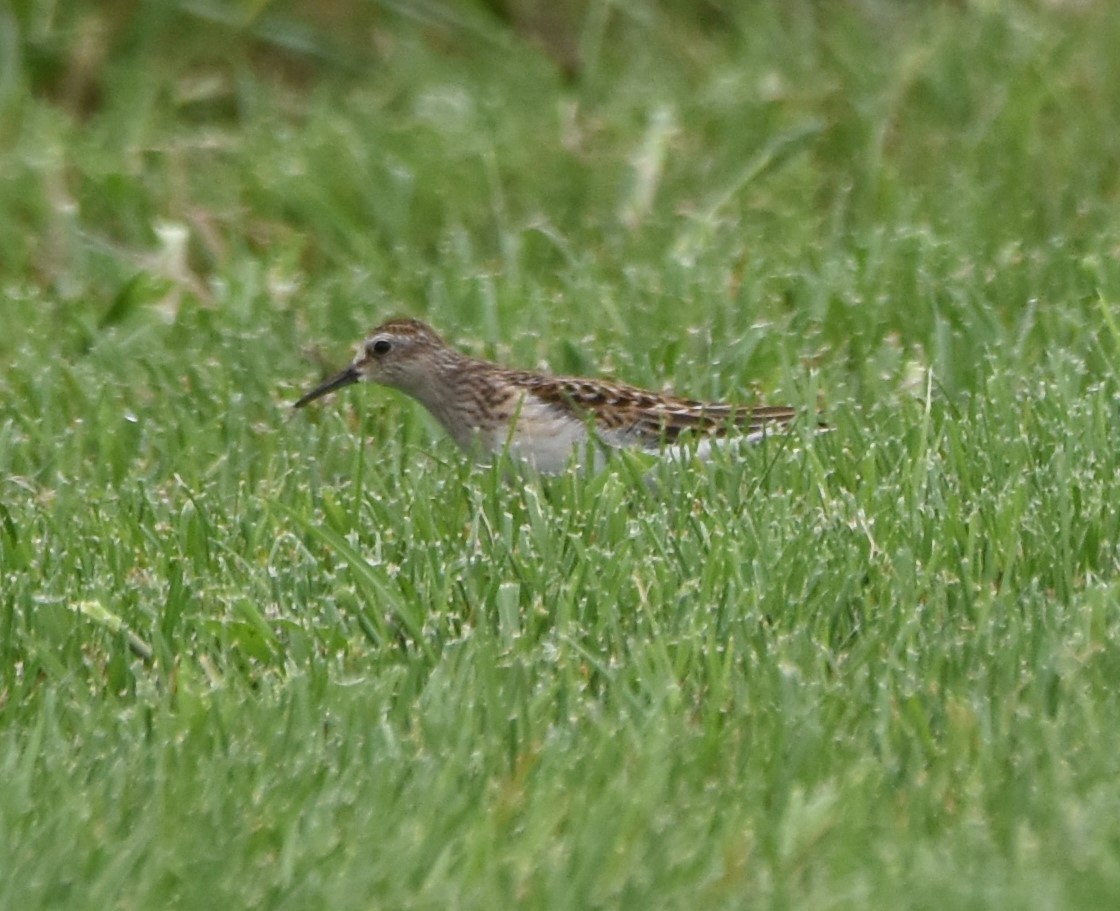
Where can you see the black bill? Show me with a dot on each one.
(347, 377)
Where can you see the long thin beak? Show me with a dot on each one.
(347, 377)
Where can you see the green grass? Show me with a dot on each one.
(257, 658)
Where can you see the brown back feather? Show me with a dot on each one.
(664, 417)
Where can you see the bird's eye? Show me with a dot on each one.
(381, 346)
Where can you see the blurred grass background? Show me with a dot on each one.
(250, 659)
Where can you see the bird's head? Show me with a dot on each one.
(401, 353)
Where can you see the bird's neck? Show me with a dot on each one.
(448, 391)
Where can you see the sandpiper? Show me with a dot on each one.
(547, 421)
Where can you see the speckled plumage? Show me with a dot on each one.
(538, 418)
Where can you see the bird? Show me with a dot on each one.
(547, 422)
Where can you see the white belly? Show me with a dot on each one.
(544, 438)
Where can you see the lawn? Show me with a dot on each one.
(252, 657)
